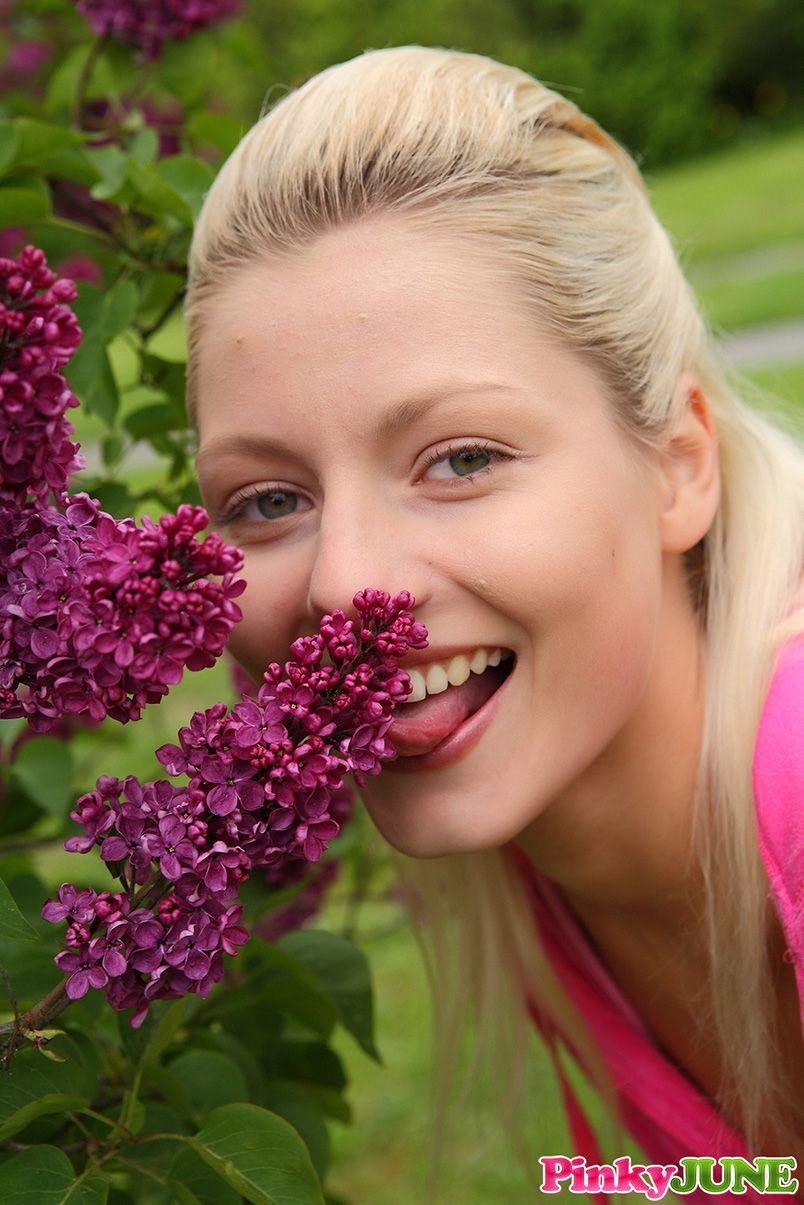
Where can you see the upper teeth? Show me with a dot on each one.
(441, 674)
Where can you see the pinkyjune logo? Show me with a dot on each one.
(654, 1180)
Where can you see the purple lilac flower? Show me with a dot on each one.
(265, 790)
(38, 335)
(148, 24)
(72, 903)
(82, 966)
(100, 616)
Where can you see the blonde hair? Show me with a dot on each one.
(468, 145)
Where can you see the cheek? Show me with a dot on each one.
(270, 604)
(578, 566)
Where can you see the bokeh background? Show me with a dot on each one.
(709, 97)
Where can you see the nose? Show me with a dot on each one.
(362, 542)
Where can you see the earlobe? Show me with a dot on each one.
(690, 480)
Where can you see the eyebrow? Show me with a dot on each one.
(398, 418)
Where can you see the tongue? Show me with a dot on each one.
(419, 727)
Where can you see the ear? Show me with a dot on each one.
(689, 477)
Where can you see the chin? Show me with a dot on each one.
(436, 837)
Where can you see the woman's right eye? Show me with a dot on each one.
(267, 503)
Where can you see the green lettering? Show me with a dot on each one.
(688, 1180)
(706, 1179)
(780, 1171)
(743, 1172)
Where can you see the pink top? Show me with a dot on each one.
(664, 1110)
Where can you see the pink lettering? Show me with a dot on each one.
(555, 1169)
(661, 1174)
(630, 1178)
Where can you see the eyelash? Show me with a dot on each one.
(250, 492)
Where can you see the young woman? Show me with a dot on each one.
(439, 341)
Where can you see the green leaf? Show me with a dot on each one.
(209, 1079)
(242, 1053)
(222, 130)
(165, 1028)
(13, 924)
(309, 1062)
(114, 498)
(111, 449)
(191, 178)
(282, 982)
(20, 205)
(92, 380)
(37, 1086)
(110, 163)
(187, 68)
(102, 316)
(144, 146)
(331, 1103)
(154, 197)
(158, 290)
(43, 1175)
(193, 1182)
(9, 141)
(40, 141)
(134, 1041)
(63, 81)
(119, 307)
(296, 1106)
(158, 1152)
(31, 967)
(343, 971)
(259, 1155)
(151, 420)
(106, 313)
(44, 769)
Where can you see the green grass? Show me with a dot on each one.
(785, 381)
(738, 200)
(731, 304)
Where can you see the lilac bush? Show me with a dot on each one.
(265, 788)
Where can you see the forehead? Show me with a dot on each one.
(350, 314)
(314, 346)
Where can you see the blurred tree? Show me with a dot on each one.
(668, 79)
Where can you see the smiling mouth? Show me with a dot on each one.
(419, 727)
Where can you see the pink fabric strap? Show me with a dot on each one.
(779, 794)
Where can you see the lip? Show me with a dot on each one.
(459, 742)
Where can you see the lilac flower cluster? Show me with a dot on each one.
(99, 616)
(148, 24)
(179, 948)
(38, 335)
(295, 912)
(265, 787)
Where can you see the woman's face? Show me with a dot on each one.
(546, 542)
